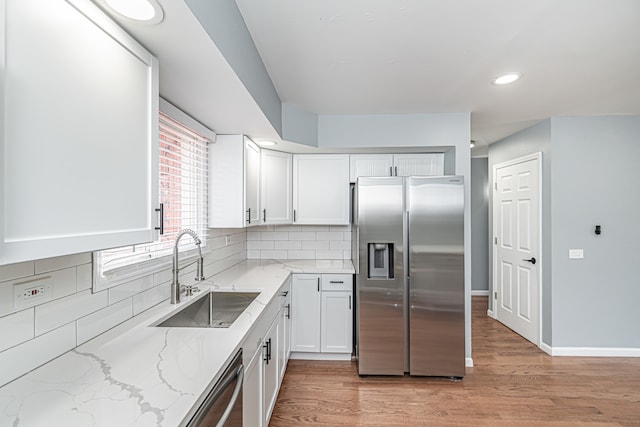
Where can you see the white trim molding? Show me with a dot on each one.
(319, 356)
(468, 362)
(480, 293)
(590, 351)
(491, 314)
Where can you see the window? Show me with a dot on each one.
(183, 166)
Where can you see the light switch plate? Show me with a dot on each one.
(576, 253)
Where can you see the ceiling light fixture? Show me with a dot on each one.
(506, 79)
(472, 144)
(147, 11)
(267, 143)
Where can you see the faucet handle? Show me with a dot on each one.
(190, 289)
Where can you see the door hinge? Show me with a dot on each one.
(495, 240)
(495, 295)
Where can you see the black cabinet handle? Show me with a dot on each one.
(288, 311)
(532, 260)
(161, 210)
(264, 215)
(266, 352)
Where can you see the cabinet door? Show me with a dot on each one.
(321, 189)
(275, 187)
(252, 411)
(370, 165)
(426, 164)
(305, 313)
(252, 182)
(337, 322)
(78, 132)
(271, 380)
(284, 341)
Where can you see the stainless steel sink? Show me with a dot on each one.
(211, 310)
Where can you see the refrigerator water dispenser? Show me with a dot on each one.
(380, 260)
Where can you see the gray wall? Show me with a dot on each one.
(596, 178)
(534, 139)
(592, 179)
(222, 20)
(299, 126)
(480, 224)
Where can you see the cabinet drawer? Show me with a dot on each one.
(336, 282)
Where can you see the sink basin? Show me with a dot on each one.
(212, 310)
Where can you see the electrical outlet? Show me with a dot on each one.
(27, 294)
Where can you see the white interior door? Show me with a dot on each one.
(516, 209)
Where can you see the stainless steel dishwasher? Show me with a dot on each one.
(222, 407)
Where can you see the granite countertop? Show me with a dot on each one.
(135, 374)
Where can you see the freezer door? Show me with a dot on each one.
(436, 275)
(380, 284)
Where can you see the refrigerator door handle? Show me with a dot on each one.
(408, 274)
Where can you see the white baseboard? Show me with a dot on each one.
(480, 293)
(591, 351)
(491, 314)
(319, 356)
(468, 362)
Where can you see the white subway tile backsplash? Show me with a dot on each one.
(346, 255)
(253, 254)
(288, 244)
(260, 244)
(56, 313)
(302, 235)
(254, 235)
(101, 321)
(346, 235)
(126, 290)
(16, 271)
(16, 328)
(84, 277)
(329, 254)
(64, 282)
(302, 254)
(316, 228)
(275, 235)
(58, 263)
(340, 228)
(316, 245)
(147, 299)
(21, 359)
(162, 277)
(330, 235)
(287, 228)
(340, 245)
(272, 254)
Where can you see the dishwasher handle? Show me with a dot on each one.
(234, 397)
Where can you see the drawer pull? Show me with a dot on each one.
(336, 281)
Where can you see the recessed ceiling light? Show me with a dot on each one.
(505, 79)
(147, 11)
(267, 143)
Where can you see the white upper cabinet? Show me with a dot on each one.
(234, 182)
(370, 165)
(275, 187)
(252, 181)
(427, 164)
(78, 132)
(321, 189)
(421, 164)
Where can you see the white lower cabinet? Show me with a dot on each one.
(271, 383)
(336, 324)
(322, 316)
(252, 413)
(266, 352)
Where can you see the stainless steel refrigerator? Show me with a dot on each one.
(408, 251)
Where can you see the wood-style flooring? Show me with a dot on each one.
(513, 383)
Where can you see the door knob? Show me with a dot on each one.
(532, 260)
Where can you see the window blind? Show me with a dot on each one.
(183, 168)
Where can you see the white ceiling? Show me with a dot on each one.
(577, 57)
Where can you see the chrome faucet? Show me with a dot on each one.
(175, 284)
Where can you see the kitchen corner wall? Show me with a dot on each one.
(299, 242)
(30, 337)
